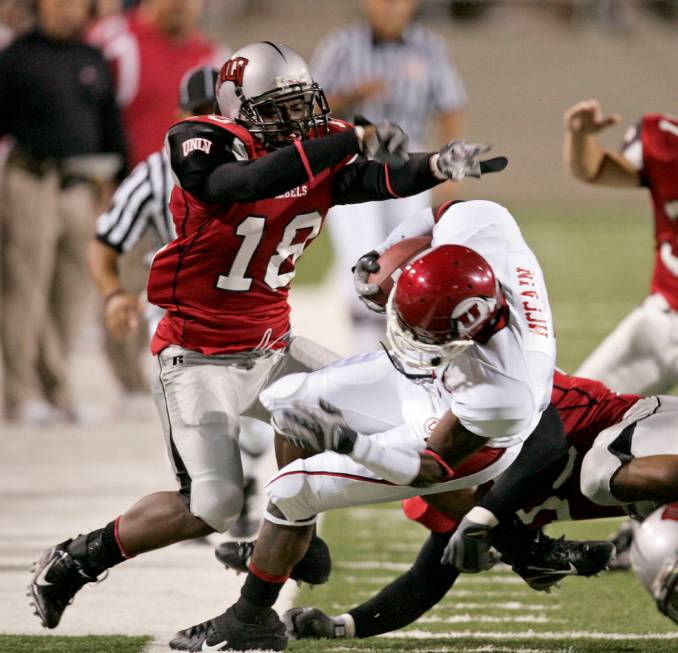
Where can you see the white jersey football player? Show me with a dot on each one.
(641, 354)
(493, 374)
(474, 310)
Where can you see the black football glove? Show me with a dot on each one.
(458, 159)
(367, 264)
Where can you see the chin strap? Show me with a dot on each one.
(401, 368)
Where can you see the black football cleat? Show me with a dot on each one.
(235, 555)
(549, 560)
(314, 568)
(311, 623)
(56, 580)
(245, 524)
(227, 633)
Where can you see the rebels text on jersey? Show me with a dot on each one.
(652, 148)
(224, 281)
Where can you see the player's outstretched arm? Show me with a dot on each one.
(369, 181)
(324, 428)
(585, 157)
(397, 605)
(210, 162)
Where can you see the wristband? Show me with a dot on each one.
(431, 453)
(113, 293)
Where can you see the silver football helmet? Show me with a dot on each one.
(654, 554)
(267, 87)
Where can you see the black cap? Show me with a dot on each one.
(197, 87)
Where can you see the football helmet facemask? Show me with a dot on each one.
(267, 88)
(654, 556)
(444, 302)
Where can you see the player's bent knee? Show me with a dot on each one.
(288, 493)
(218, 503)
(598, 468)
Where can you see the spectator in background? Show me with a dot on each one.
(385, 68)
(57, 102)
(141, 204)
(150, 49)
(16, 17)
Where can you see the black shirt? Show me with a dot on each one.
(57, 98)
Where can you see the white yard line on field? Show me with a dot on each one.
(489, 648)
(508, 605)
(529, 634)
(472, 618)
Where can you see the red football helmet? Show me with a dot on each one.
(443, 302)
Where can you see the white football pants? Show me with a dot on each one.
(375, 400)
(356, 230)
(641, 355)
(648, 428)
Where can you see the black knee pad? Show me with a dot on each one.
(315, 567)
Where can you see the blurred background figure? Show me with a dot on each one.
(67, 137)
(16, 17)
(141, 204)
(385, 67)
(150, 48)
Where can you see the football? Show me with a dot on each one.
(390, 263)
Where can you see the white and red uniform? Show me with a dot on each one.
(498, 390)
(593, 416)
(148, 66)
(641, 354)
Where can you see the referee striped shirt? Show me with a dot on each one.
(418, 72)
(140, 202)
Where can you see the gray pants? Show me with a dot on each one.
(200, 399)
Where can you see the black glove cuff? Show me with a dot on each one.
(344, 437)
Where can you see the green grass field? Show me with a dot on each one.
(597, 262)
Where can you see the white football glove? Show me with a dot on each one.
(366, 265)
(319, 429)
(458, 159)
(387, 144)
(470, 549)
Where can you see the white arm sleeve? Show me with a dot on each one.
(396, 465)
(419, 224)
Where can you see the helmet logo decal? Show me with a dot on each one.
(233, 70)
(471, 312)
(671, 511)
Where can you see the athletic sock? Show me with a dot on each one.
(99, 550)
(258, 595)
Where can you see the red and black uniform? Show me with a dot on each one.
(586, 408)
(243, 216)
(659, 172)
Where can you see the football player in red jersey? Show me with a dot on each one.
(253, 185)
(625, 442)
(641, 354)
